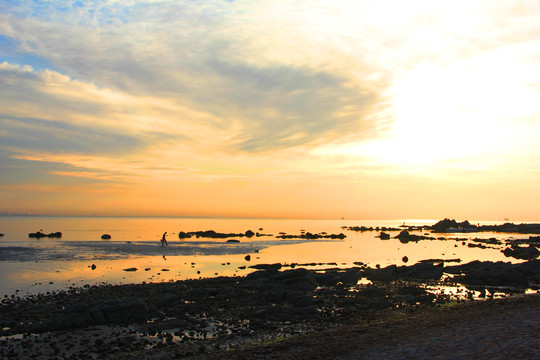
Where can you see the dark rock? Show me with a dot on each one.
(275, 293)
(405, 259)
(105, 236)
(130, 269)
(93, 267)
(523, 253)
(444, 225)
(264, 275)
(421, 271)
(276, 266)
(39, 235)
(374, 296)
(119, 311)
(203, 293)
(248, 257)
(183, 235)
(233, 241)
(384, 236)
(410, 299)
(499, 273)
(404, 234)
(249, 233)
(350, 277)
(165, 299)
(307, 310)
(298, 278)
(328, 278)
(75, 316)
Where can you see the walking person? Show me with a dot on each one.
(163, 239)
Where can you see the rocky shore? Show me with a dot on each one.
(201, 318)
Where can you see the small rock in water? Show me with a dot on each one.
(105, 236)
(93, 266)
(248, 257)
(405, 259)
(130, 269)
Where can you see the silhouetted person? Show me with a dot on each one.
(163, 239)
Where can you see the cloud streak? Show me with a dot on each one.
(252, 95)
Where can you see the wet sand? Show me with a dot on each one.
(494, 329)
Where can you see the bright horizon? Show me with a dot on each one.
(289, 109)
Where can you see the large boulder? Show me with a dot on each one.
(419, 271)
(119, 311)
(522, 252)
(488, 273)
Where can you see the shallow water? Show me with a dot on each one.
(30, 266)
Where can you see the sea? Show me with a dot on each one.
(134, 253)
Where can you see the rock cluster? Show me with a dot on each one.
(213, 234)
(522, 252)
(39, 235)
(311, 236)
(267, 302)
(448, 225)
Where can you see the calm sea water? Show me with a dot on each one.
(30, 266)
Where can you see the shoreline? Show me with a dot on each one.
(194, 318)
(106, 257)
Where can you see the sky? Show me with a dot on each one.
(354, 109)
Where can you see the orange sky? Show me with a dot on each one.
(358, 109)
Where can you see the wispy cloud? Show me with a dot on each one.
(166, 92)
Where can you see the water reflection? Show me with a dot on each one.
(82, 257)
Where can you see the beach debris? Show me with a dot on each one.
(106, 236)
